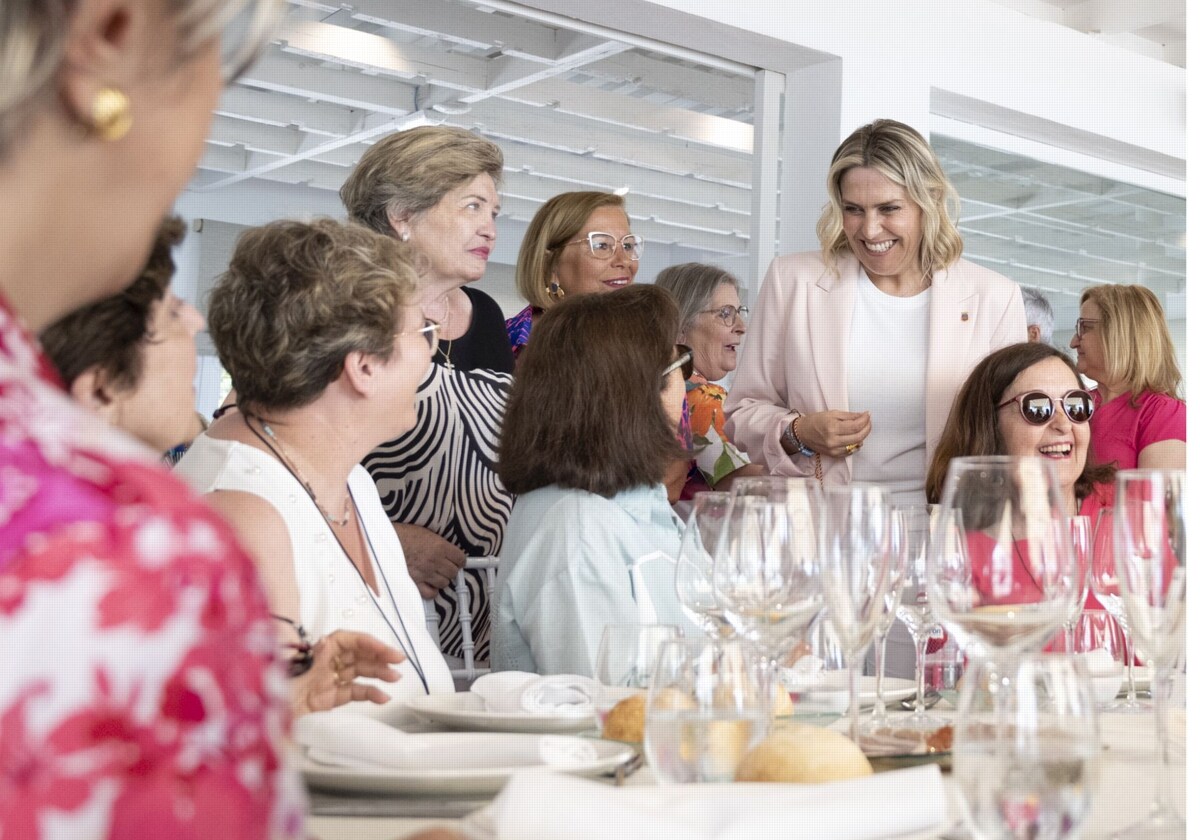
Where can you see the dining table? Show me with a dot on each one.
(1121, 795)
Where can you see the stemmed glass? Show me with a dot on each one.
(625, 662)
(1097, 640)
(1080, 528)
(694, 568)
(1026, 747)
(1106, 584)
(916, 614)
(765, 572)
(1006, 582)
(855, 572)
(1150, 549)
(899, 526)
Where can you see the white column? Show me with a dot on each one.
(768, 103)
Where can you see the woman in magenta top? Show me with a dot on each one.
(1122, 342)
(1025, 399)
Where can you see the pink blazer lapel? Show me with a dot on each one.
(953, 317)
(830, 308)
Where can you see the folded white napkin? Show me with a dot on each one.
(347, 739)
(561, 695)
(536, 805)
(1108, 675)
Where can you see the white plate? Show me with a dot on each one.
(465, 711)
(832, 693)
(474, 763)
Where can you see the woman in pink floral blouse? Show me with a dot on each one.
(141, 695)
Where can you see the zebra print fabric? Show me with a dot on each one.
(441, 475)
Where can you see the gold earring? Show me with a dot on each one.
(555, 290)
(111, 114)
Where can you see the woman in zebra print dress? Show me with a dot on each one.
(435, 187)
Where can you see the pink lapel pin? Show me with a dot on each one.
(965, 316)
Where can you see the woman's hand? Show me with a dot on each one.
(831, 432)
(338, 660)
(432, 561)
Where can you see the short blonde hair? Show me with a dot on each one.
(1138, 351)
(33, 40)
(298, 298)
(408, 172)
(551, 228)
(901, 154)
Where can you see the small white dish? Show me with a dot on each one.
(832, 693)
(465, 711)
(472, 764)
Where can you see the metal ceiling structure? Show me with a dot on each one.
(577, 107)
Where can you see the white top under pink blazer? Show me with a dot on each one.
(797, 352)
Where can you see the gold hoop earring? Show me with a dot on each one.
(111, 114)
(555, 290)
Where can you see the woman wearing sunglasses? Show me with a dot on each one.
(1027, 399)
(1122, 342)
(587, 438)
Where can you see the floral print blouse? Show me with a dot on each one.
(715, 456)
(140, 695)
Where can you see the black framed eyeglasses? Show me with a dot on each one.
(728, 315)
(682, 363)
(1037, 407)
(430, 331)
(602, 245)
(1085, 325)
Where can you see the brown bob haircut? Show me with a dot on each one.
(111, 333)
(973, 427)
(586, 411)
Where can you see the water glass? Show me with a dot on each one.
(706, 709)
(900, 527)
(694, 567)
(1106, 585)
(1026, 747)
(625, 662)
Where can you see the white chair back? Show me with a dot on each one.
(469, 671)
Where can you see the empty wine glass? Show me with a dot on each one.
(855, 572)
(694, 568)
(765, 571)
(916, 614)
(1097, 640)
(1150, 549)
(899, 526)
(1106, 586)
(705, 710)
(1006, 581)
(1026, 745)
(625, 662)
(1080, 528)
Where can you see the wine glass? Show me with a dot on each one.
(915, 613)
(855, 572)
(1026, 747)
(1106, 585)
(1002, 576)
(1150, 549)
(765, 571)
(1099, 642)
(694, 568)
(625, 662)
(899, 527)
(705, 710)
(1080, 528)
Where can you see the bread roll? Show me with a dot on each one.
(781, 705)
(626, 721)
(802, 753)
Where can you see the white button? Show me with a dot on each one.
(347, 613)
(332, 578)
(253, 470)
(292, 498)
(320, 537)
(362, 599)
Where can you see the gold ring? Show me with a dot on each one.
(851, 448)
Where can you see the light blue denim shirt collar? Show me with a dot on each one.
(649, 503)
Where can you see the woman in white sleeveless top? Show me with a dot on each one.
(318, 326)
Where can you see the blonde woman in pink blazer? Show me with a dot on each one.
(856, 351)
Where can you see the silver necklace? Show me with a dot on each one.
(281, 454)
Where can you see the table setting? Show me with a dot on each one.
(1019, 723)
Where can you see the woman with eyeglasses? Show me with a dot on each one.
(714, 321)
(858, 349)
(1026, 400)
(1122, 342)
(435, 187)
(577, 243)
(587, 438)
(140, 682)
(319, 327)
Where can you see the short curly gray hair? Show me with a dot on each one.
(693, 285)
(1039, 313)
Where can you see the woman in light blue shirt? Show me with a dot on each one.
(587, 438)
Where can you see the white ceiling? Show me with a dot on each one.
(1154, 28)
(575, 107)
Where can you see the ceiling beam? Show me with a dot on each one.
(281, 110)
(348, 88)
(1116, 16)
(508, 73)
(691, 83)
